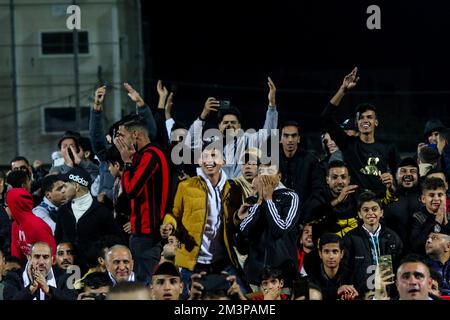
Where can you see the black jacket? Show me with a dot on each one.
(398, 215)
(318, 209)
(423, 223)
(358, 257)
(299, 173)
(15, 290)
(95, 223)
(5, 232)
(271, 229)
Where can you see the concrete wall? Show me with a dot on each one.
(48, 81)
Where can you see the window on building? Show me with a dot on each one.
(61, 119)
(62, 42)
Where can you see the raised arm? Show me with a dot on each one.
(348, 83)
(194, 138)
(162, 93)
(271, 121)
(143, 109)
(160, 117)
(328, 119)
(165, 102)
(168, 114)
(95, 123)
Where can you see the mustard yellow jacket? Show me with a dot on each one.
(189, 217)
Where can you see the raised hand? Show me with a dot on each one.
(388, 180)
(272, 92)
(268, 187)
(134, 95)
(126, 150)
(166, 230)
(67, 159)
(42, 282)
(99, 97)
(382, 280)
(76, 156)
(441, 214)
(350, 80)
(272, 293)
(162, 92)
(168, 106)
(344, 194)
(211, 104)
(31, 275)
(258, 187)
(71, 157)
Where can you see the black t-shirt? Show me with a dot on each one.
(329, 286)
(365, 161)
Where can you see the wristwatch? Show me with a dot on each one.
(127, 165)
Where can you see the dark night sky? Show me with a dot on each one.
(227, 49)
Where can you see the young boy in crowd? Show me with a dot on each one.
(329, 275)
(433, 215)
(365, 245)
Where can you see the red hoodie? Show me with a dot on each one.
(26, 228)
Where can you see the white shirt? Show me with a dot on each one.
(212, 239)
(81, 205)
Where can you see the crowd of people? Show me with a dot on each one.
(153, 209)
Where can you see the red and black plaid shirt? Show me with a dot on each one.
(147, 185)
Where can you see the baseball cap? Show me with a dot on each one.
(70, 135)
(408, 161)
(166, 268)
(431, 126)
(78, 175)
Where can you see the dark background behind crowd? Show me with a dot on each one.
(227, 49)
(227, 52)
